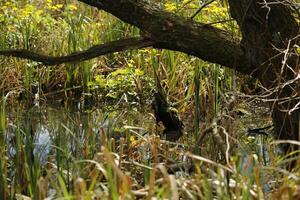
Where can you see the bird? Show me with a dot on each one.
(167, 116)
(258, 131)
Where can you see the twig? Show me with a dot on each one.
(199, 10)
(208, 161)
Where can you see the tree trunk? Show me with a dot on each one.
(269, 32)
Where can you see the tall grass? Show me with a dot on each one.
(3, 160)
(84, 161)
(197, 78)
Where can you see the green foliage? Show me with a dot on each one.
(130, 81)
(56, 28)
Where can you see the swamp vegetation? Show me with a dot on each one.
(82, 82)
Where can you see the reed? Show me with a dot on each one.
(86, 158)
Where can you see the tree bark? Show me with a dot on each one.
(169, 31)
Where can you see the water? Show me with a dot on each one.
(63, 140)
(69, 132)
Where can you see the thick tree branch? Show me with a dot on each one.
(93, 52)
(173, 32)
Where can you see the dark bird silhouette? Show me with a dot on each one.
(258, 131)
(165, 114)
(168, 116)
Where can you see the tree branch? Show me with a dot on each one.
(163, 30)
(93, 52)
(201, 8)
(173, 32)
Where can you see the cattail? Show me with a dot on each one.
(43, 187)
(79, 188)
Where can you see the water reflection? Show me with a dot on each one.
(42, 144)
(67, 133)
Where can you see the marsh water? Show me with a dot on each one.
(67, 132)
(64, 135)
(72, 131)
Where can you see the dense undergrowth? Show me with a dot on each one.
(115, 152)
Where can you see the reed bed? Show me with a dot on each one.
(91, 153)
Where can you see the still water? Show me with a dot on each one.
(71, 132)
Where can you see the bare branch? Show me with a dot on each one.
(201, 8)
(93, 52)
